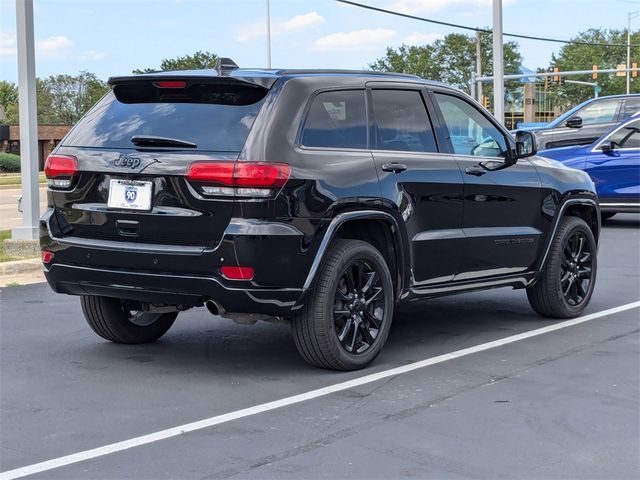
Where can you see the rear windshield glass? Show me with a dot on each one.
(216, 118)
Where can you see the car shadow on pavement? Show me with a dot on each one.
(200, 343)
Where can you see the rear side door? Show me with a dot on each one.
(597, 118)
(418, 181)
(502, 219)
(616, 171)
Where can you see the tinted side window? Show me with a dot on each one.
(471, 132)
(599, 112)
(631, 107)
(627, 137)
(402, 122)
(336, 120)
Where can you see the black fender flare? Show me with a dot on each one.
(590, 202)
(345, 217)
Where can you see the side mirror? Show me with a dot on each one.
(574, 122)
(607, 147)
(525, 144)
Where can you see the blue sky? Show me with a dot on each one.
(114, 37)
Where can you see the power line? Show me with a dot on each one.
(482, 30)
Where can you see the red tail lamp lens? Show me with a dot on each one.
(47, 256)
(60, 166)
(240, 174)
(237, 273)
(170, 84)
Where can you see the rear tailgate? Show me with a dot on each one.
(136, 191)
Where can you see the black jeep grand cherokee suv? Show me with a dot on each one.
(321, 197)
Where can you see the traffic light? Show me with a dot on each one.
(561, 81)
(634, 72)
(486, 102)
(594, 75)
(556, 77)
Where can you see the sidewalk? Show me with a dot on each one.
(21, 272)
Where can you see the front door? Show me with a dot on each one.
(421, 183)
(502, 218)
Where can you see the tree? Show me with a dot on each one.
(583, 57)
(197, 61)
(62, 99)
(450, 60)
(8, 98)
(69, 97)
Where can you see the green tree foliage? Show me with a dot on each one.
(197, 61)
(450, 60)
(62, 99)
(8, 96)
(583, 57)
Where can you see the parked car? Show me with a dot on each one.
(586, 122)
(324, 198)
(613, 163)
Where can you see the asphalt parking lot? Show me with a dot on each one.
(563, 404)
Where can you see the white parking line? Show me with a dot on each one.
(303, 397)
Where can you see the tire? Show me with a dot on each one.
(566, 282)
(333, 310)
(113, 321)
(606, 215)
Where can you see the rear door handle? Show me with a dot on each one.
(476, 170)
(394, 167)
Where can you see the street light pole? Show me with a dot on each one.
(28, 123)
(268, 35)
(630, 15)
(498, 67)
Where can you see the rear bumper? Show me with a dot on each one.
(168, 289)
(189, 276)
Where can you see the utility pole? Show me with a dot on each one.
(268, 35)
(498, 68)
(28, 123)
(630, 15)
(478, 66)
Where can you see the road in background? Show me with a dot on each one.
(9, 215)
(561, 405)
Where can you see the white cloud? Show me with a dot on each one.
(53, 47)
(299, 22)
(429, 6)
(369, 39)
(418, 38)
(7, 45)
(92, 55)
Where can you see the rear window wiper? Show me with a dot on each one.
(151, 141)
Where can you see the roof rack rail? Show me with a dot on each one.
(224, 66)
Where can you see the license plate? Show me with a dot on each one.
(129, 195)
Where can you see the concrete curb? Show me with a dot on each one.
(18, 186)
(20, 266)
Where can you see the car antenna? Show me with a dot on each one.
(225, 65)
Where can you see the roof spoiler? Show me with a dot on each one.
(224, 66)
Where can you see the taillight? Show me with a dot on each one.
(237, 273)
(60, 170)
(244, 179)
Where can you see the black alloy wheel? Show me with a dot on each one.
(346, 318)
(359, 304)
(576, 268)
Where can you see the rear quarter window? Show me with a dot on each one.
(336, 120)
(214, 117)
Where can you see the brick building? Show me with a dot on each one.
(48, 137)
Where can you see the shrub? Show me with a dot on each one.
(9, 162)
